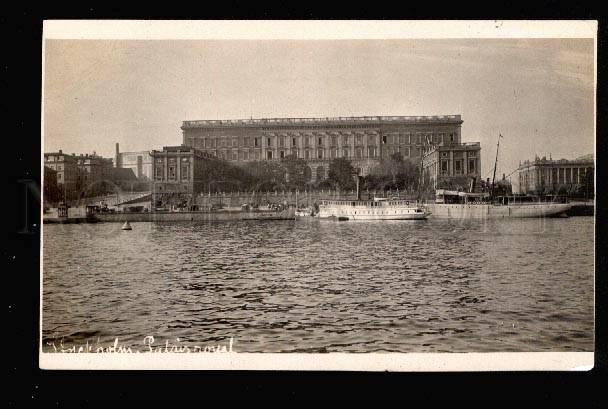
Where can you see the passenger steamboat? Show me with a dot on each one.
(376, 209)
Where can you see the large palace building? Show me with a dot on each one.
(363, 140)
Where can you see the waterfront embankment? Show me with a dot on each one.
(221, 215)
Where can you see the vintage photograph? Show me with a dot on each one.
(361, 197)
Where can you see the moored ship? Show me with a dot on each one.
(270, 212)
(463, 205)
(376, 209)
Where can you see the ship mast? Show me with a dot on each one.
(495, 163)
(421, 181)
(421, 175)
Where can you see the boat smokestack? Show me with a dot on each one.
(359, 177)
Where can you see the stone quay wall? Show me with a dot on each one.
(306, 198)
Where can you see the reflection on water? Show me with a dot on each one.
(321, 286)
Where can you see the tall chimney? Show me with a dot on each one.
(117, 156)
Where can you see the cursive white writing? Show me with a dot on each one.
(149, 345)
(168, 347)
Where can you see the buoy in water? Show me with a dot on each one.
(126, 226)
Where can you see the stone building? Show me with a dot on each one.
(87, 175)
(554, 176)
(455, 166)
(363, 140)
(179, 174)
(66, 168)
(93, 169)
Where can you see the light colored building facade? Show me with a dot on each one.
(85, 174)
(139, 162)
(363, 140)
(178, 175)
(546, 175)
(66, 168)
(452, 165)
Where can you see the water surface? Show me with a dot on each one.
(321, 286)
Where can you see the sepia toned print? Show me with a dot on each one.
(279, 203)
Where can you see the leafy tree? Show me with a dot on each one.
(265, 175)
(327, 184)
(296, 170)
(341, 173)
(219, 175)
(394, 173)
(408, 175)
(456, 183)
(587, 184)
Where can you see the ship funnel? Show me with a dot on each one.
(359, 182)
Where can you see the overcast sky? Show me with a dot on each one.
(538, 93)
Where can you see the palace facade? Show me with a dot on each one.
(364, 140)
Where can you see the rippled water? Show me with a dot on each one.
(322, 286)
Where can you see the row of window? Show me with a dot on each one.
(172, 172)
(358, 152)
(459, 154)
(368, 204)
(51, 158)
(81, 169)
(307, 141)
(55, 167)
(458, 167)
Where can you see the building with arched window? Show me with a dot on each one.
(364, 140)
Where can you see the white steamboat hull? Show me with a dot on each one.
(286, 214)
(481, 211)
(347, 212)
